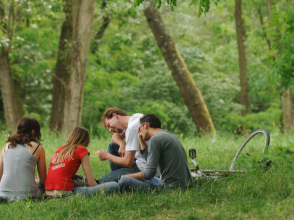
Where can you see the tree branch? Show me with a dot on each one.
(263, 28)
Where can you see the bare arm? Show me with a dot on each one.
(87, 170)
(42, 171)
(1, 163)
(126, 161)
(119, 140)
(138, 176)
(1, 160)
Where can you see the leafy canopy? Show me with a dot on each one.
(204, 5)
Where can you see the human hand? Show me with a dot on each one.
(140, 136)
(141, 140)
(122, 149)
(102, 154)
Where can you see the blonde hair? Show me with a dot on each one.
(78, 136)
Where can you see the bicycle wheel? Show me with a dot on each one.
(256, 144)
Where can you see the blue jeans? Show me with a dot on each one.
(128, 184)
(107, 188)
(117, 171)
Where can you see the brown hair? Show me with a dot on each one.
(78, 136)
(109, 114)
(24, 134)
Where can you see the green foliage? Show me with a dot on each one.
(32, 56)
(284, 65)
(269, 120)
(204, 5)
(128, 70)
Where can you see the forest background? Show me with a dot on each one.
(58, 68)
(211, 66)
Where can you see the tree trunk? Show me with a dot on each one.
(100, 32)
(18, 95)
(9, 103)
(62, 70)
(269, 8)
(82, 11)
(242, 56)
(286, 97)
(188, 88)
(287, 108)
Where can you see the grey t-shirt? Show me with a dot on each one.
(166, 150)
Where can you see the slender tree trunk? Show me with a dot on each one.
(188, 88)
(62, 70)
(242, 56)
(9, 104)
(286, 97)
(269, 8)
(263, 28)
(287, 107)
(82, 11)
(99, 34)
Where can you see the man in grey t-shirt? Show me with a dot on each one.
(164, 150)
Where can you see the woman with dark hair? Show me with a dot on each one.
(66, 162)
(18, 161)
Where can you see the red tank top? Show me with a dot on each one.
(60, 175)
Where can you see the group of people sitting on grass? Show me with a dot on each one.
(142, 157)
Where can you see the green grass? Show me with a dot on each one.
(254, 195)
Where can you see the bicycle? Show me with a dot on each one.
(253, 143)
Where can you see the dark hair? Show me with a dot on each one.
(152, 120)
(24, 134)
(109, 114)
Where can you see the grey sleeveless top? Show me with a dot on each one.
(18, 179)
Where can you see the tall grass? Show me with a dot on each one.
(254, 195)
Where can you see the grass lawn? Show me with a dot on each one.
(253, 195)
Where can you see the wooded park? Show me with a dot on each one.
(201, 67)
(213, 71)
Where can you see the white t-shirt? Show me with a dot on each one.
(132, 140)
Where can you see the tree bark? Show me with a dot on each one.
(9, 103)
(242, 56)
(188, 88)
(287, 108)
(7, 88)
(18, 95)
(82, 12)
(62, 70)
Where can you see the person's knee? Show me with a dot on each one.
(104, 179)
(124, 183)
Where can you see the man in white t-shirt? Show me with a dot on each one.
(124, 156)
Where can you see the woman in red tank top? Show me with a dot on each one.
(66, 162)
